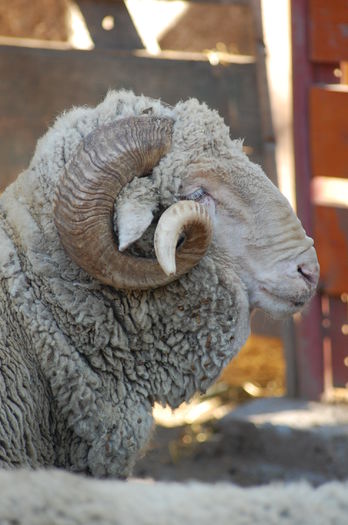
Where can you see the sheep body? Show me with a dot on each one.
(41, 497)
(90, 361)
(83, 363)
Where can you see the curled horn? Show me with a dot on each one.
(103, 164)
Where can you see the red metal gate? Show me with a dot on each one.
(320, 87)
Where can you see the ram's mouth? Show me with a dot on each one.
(298, 304)
(292, 302)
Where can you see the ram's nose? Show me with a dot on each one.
(308, 267)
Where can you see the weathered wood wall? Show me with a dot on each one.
(37, 84)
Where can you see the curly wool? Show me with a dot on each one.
(87, 362)
(60, 498)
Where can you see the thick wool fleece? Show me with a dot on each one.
(81, 363)
(57, 498)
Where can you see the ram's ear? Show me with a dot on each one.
(133, 219)
(134, 211)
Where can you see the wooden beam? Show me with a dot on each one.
(329, 131)
(331, 241)
(37, 84)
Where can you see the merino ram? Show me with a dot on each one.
(97, 320)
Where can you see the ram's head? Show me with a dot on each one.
(221, 202)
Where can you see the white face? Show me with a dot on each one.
(257, 235)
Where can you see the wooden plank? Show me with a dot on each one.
(38, 19)
(328, 30)
(38, 84)
(331, 241)
(50, 20)
(227, 28)
(335, 347)
(329, 131)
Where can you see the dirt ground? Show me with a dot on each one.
(200, 452)
(266, 440)
(246, 431)
(206, 453)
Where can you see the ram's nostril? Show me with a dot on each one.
(305, 273)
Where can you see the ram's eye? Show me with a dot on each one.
(196, 195)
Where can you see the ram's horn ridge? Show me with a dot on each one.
(107, 160)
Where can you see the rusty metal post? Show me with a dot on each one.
(309, 353)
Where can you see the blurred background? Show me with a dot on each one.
(277, 71)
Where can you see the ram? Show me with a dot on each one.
(133, 249)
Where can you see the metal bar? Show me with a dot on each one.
(309, 354)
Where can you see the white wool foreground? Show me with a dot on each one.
(58, 498)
